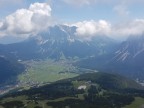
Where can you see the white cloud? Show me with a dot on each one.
(27, 21)
(88, 29)
(40, 8)
(135, 27)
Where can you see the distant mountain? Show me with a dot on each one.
(101, 53)
(58, 42)
(127, 59)
(9, 69)
(130, 57)
(131, 50)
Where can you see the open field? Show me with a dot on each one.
(46, 72)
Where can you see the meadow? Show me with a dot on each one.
(46, 72)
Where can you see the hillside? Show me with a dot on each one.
(9, 69)
(109, 81)
(96, 90)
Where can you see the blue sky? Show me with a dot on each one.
(114, 18)
(70, 12)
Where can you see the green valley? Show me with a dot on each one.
(42, 72)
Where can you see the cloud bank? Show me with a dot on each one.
(25, 22)
(88, 29)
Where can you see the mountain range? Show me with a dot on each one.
(55, 42)
(126, 59)
(60, 43)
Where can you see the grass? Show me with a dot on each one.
(62, 99)
(14, 98)
(46, 71)
(32, 104)
(137, 103)
(78, 83)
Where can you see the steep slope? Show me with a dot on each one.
(8, 70)
(127, 59)
(131, 50)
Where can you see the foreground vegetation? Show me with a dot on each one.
(93, 90)
(138, 103)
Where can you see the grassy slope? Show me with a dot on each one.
(137, 103)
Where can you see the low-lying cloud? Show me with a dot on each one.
(88, 29)
(135, 27)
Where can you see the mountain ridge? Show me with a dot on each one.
(55, 40)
